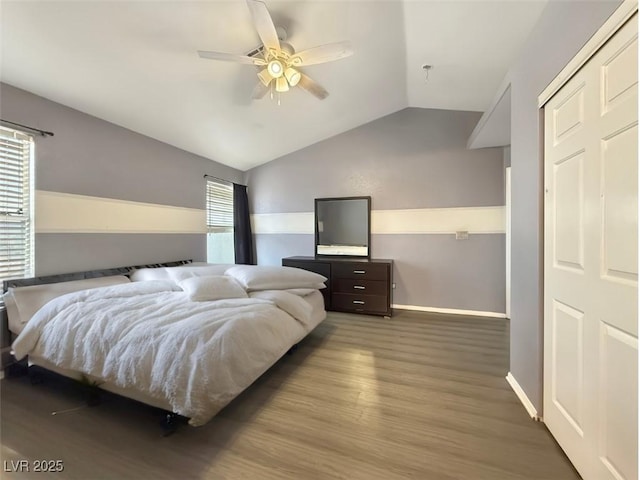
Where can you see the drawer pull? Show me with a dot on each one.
(358, 302)
(359, 271)
(358, 287)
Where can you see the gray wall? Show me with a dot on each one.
(415, 158)
(89, 156)
(562, 30)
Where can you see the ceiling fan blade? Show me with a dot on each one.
(264, 24)
(259, 91)
(312, 87)
(322, 54)
(230, 57)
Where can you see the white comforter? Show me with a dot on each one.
(146, 335)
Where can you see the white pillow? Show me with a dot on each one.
(214, 287)
(24, 302)
(13, 315)
(146, 274)
(272, 277)
(303, 292)
(177, 274)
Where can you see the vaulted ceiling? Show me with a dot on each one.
(135, 64)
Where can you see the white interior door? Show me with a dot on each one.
(591, 262)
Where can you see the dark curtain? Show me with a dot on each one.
(243, 239)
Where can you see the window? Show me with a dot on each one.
(16, 204)
(220, 246)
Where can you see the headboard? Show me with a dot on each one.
(67, 277)
(6, 335)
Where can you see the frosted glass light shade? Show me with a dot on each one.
(265, 77)
(282, 85)
(292, 76)
(275, 68)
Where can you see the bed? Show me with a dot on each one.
(186, 339)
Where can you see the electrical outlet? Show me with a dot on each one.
(393, 285)
(462, 235)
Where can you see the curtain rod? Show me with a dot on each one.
(44, 133)
(221, 179)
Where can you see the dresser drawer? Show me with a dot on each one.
(360, 303)
(367, 271)
(360, 286)
(320, 268)
(353, 285)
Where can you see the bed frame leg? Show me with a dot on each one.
(35, 377)
(169, 424)
(18, 369)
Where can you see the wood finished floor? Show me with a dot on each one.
(419, 396)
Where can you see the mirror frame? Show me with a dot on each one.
(316, 231)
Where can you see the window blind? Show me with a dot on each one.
(219, 207)
(16, 235)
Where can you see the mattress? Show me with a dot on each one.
(243, 353)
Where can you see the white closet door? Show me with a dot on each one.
(591, 262)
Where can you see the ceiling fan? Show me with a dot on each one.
(279, 64)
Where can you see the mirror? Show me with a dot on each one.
(342, 226)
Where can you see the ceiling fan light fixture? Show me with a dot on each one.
(277, 61)
(272, 52)
(292, 76)
(282, 85)
(265, 77)
(275, 68)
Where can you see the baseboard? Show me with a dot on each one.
(531, 410)
(452, 311)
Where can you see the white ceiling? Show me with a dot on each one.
(135, 64)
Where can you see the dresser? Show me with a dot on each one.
(353, 285)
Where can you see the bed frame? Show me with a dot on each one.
(169, 423)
